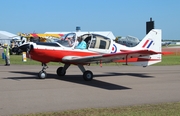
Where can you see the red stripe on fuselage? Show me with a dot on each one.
(45, 56)
(145, 43)
(137, 60)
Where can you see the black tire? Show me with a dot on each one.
(87, 75)
(59, 73)
(42, 75)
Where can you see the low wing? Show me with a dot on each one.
(107, 57)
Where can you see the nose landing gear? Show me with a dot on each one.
(42, 74)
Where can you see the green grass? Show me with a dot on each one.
(170, 60)
(167, 109)
(17, 59)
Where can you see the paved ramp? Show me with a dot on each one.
(21, 91)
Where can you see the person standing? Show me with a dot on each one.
(7, 55)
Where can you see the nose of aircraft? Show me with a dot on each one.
(25, 47)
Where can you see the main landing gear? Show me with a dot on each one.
(87, 75)
(61, 71)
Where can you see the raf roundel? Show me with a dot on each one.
(114, 49)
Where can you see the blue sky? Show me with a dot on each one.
(122, 17)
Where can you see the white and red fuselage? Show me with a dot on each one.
(96, 45)
(99, 49)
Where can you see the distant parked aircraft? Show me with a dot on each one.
(165, 43)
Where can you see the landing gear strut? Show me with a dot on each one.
(61, 71)
(42, 74)
(87, 75)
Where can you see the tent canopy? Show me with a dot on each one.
(6, 37)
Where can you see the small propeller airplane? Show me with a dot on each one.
(100, 49)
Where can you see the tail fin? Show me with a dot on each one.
(152, 41)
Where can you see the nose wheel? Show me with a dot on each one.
(42, 74)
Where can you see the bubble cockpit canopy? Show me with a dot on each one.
(67, 39)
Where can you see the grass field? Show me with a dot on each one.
(167, 109)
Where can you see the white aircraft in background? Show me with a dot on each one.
(166, 43)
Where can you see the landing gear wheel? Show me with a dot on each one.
(59, 73)
(87, 75)
(42, 75)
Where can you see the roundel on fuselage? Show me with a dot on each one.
(114, 49)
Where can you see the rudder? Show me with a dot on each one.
(152, 41)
